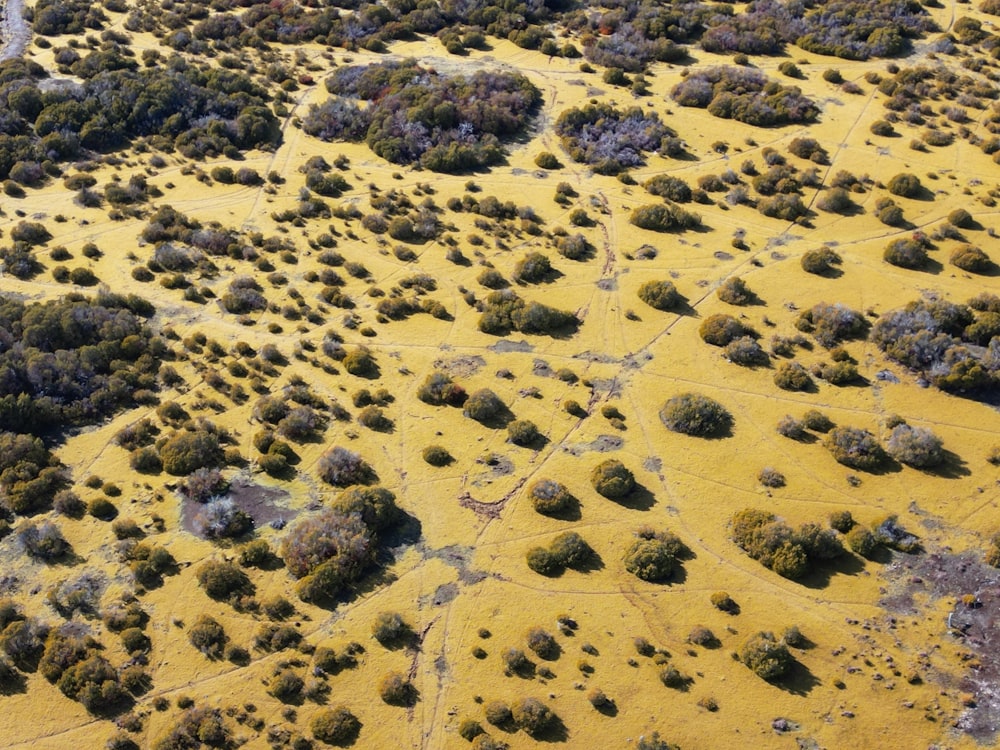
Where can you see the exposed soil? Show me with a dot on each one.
(973, 589)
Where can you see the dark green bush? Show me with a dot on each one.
(971, 259)
(484, 406)
(550, 497)
(855, 447)
(766, 657)
(719, 329)
(523, 432)
(335, 726)
(905, 185)
(660, 217)
(696, 415)
(791, 376)
(612, 479)
(224, 580)
(208, 636)
(661, 295)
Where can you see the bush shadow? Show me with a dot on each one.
(952, 466)
(639, 498)
(799, 680)
(819, 577)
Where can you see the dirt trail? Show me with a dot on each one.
(14, 31)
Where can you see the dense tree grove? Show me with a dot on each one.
(73, 360)
(611, 140)
(414, 115)
(955, 346)
(745, 95)
(851, 29)
(202, 112)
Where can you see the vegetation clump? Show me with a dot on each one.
(745, 95)
(788, 552)
(855, 447)
(430, 123)
(766, 656)
(612, 479)
(696, 415)
(653, 555)
(661, 295)
(503, 311)
(550, 497)
(566, 550)
(609, 139)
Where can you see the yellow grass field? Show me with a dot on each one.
(870, 673)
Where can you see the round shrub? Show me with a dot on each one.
(971, 259)
(335, 726)
(484, 406)
(905, 185)
(915, 446)
(547, 160)
(696, 415)
(542, 643)
(549, 497)
(765, 656)
(395, 689)
(650, 559)
(612, 479)
(661, 295)
(531, 715)
(820, 261)
(223, 580)
(187, 451)
(855, 447)
(437, 455)
(542, 561)
(720, 329)
(735, 291)
(342, 468)
(906, 253)
(724, 602)
(498, 713)
(745, 351)
(390, 627)
(862, 541)
(791, 376)
(570, 550)
(523, 432)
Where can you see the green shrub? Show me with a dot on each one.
(547, 160)
(224, 580)
(335, 726)
(437, 455)
(208, 636)
(661, 217)
(396, 690)
(908, 253)
(661, 295)
(550, 498)
(720, 329)
(523, 432)
(724, 602)
(905, 185)
(971, 259)
(612, 479)
(390, 628)
(766, 657)
(915, 446)
(855, 447)
(186, 451)
(862, 541)
(531, 715)
(696, 415)
(735, 291)
(791, 376)
(652, 557)
(484, 406)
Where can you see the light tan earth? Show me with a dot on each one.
(468, 571)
